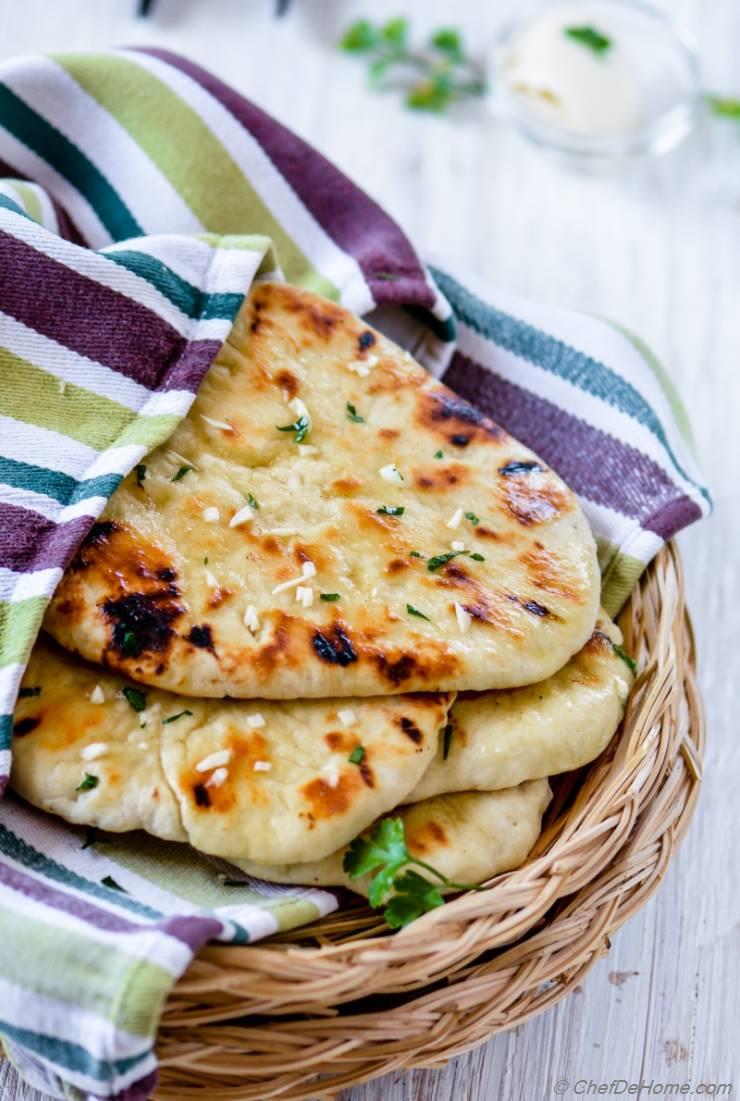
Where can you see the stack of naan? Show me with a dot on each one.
(337, 593)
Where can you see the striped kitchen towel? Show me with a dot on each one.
(141, 198)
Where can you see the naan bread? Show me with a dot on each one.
(468, 837)
(267, 781)
(498, 739)
(184, 586)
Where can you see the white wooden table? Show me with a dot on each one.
(659, 250)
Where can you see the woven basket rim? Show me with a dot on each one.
(483, 962)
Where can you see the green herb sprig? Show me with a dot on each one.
(591, 38)
(88, 783)
(353, 415)
(134, 698)
(181, 473)
(415, 611)
(431, 78)
(725, 107)
(391, 510)
(622, 653)
(301, 426)
(404, 893)
(174, 718)
(439, 560)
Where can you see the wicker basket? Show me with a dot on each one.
(310, 1013)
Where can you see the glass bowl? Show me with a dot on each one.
(663, 62)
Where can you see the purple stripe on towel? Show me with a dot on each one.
(596, 465)
(81, 314)
(30, 542)
(349, 216)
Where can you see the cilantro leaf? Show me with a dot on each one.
(724, 106)
(622, 653)
(353, 415)
(329, 597)
(477, 557)
(182, 472)
(439, 560)
(359, 37)
(88, 783)
(414, 896)
(301, 426)
(395, 32)
(386, 854)
(391, 510)
(415, 611)
(415, 554)
(387, 845)
(173, 718)
(134, 698)
(357, 756)
(252, 502)
(449, 42)
(473, 518)
(439, 454)
(589, 37)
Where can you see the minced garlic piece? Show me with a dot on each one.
(251, 619)
(217, 778)
(391, 473)
(214, 760)
(217, 424)
(244, 515)
(464, 619)
(92, 752)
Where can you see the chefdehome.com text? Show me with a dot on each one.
(620, 1087)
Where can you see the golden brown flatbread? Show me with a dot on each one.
(468, 837)
(330, 521)
(264, 780)
(498, 739)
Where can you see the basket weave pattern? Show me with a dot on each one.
(335, 1004)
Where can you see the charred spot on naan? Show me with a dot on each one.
(457, 421)
(546, 572)
(26, 725)
(530, 494)
(141, 597)
(425, 838)
(332, 800)
(411, 730)
(314, 318)
(430, 663)
(287, 382)
(334, 645)
(441, 478)
(346, 485)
